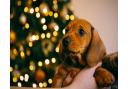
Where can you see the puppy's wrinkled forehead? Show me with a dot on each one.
(79, 23)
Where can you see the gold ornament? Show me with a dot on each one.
(39, 75)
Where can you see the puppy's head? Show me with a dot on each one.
(81, 45)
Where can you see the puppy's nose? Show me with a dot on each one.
(66, 41)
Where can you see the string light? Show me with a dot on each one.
(45, 10)
(28, 52)
(50, 13)
(44, 27)
(57, 49)
(19, 84)
(42, 35)
(26, 9)
(55, 33)
(53, 60)
(26, 77)
(15, 52)
(36, 9)
(21, 78)
(48, 35)
(30, 44)
(47, 61)
(34, 0)
(33, 38)
(37, 37)
(26, 25)
(43, 20)
(38, 15)
(14, 79)
(56, 27)
(53, 39)
(31, 11)
(72, 17)
(63, 31)
(40, 84)
(19, 3)
(67, 17)
(40, 64)
(11, 69)
(32, 66)
(34, 85)
(44, 84)
(50, 81)
(55, 15)
(22, 54)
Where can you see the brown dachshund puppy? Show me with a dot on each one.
(81, 47)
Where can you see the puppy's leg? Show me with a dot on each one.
(103, 77)
(59, 77)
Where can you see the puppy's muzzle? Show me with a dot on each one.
(66, 42)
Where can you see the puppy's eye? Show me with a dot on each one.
(81, 32)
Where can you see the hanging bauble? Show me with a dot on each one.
(12, 36)
(22, 19)
(47, 46)
(44, 9)
(39, 75)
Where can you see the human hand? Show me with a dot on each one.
(85, 79)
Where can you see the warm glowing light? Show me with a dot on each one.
(11, 69)
(31, 67)
(19, 84)
(63, 31)
(44, 27)
(57, 49)
(67, 17)
(34, 85)
(45, 10)
(40, 84)
(14, 79)
(26, 77)
(30, 44)
(37, 37)
(43, 20)
(15, 52)
(50, 13)
(26, 9)
(50, 81)
(53, 39)
(36, 9)
(22, 54)
(54, 1)
(48, 35)
(26, 25)
(34, 0)
(55, 15)
(19, 3)
(40, 64)
(47, 61)
(28, 52)
(72, 17)
(42, 35)
(53, 60)
(38, 15)
(56, 27)
(55, 33)
(33, 37)
(21, 78)
(44, 84)
(31, 11)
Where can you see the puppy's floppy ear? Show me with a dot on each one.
(96, 49)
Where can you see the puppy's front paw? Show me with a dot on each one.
(103, 77)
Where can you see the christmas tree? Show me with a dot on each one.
(36, 26)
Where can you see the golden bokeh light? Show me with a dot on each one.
(26, 25)
(36, 9)
(42, 35)
(55, 33)
(53, 60)
(55, 15)
(50, 81)
(67, 17)
(72, 17)
(31, 10)
(40, 64)
(38, 15)
(44, 27)
(43, 20)
(26, 9)
(48, 35)
(47, 61)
